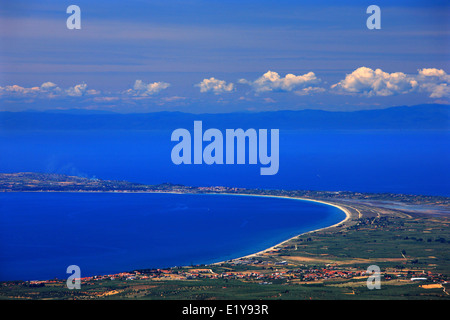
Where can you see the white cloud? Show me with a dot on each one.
(17, 90)
(269, 100)
(433, 82)
(77, 91)
(46, 90)
(436, 82)
(143, 89)
(105, 99)
(376, 83)
(173, 98)
(309, 90)
(215, 85)
(49, 86)
(271, 81)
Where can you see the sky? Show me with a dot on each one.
(222, 56)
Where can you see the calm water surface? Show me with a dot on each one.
(103, 233)
(366, 161)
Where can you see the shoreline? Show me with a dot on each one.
(252, 255)
(343, 209)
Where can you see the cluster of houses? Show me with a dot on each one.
(219, 189)
(265, 273)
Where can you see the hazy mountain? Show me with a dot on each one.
(420, 117)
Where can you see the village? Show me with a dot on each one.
(255, 271)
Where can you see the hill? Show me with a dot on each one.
(420, 117)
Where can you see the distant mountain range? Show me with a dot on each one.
(419, 117)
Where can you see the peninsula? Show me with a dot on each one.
(407, 236)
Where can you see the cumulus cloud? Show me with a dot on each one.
(215, 85)
(173, 98)
(271, 81)
(16, 90)
(77, 91)
(143, 89)
(309, 90)
(46, 90)
(49, 86)
(434, 82)
(376, 83)
(363, 81)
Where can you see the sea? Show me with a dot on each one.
(42, 233)
(397, 161)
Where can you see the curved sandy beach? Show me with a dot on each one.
(347, 217)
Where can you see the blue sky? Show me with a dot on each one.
(222, 56)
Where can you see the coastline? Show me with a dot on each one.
(289, 275)
(252, 255)
(258, 253)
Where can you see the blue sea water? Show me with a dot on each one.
(41, 234)
(411, 162)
